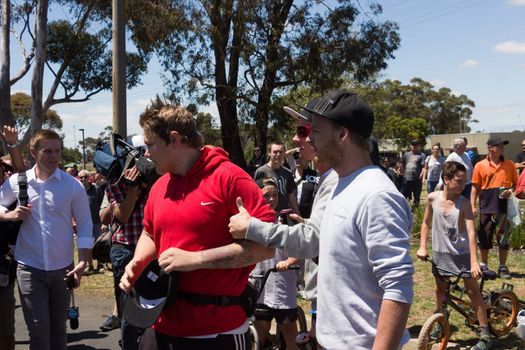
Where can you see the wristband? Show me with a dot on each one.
(16, 144)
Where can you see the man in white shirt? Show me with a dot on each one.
(44, 248)
(459, 155)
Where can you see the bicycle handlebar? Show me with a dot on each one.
(463, 273)
(267, 274)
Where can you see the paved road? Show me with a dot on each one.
(88, 336)
(93, 312)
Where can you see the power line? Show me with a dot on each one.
(432, 17)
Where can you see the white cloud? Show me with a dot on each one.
(469, 63)
(516, 2)
(510, 47)
(437, 82)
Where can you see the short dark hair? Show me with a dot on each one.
(266, 181)
(277, 143)
(451, 168)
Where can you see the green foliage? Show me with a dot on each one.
(87, 59)
(210, 132)
(403, 130)
(245, 54)
(440, 109)
(517, 236)
(417, 220)
(71, 155)
(20, 111)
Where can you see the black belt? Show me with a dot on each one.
(219, 300)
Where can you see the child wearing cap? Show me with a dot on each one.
(279, 295)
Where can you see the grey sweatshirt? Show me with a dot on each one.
(301, 240)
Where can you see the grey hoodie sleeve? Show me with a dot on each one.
(301, 240)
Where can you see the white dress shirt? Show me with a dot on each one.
(45, 240)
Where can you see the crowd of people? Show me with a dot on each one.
(329, 201)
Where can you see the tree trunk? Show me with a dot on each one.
(38, 70)
(5, 86)
(279, 15)
(225, 88)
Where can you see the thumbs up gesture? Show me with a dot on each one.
(239, 222)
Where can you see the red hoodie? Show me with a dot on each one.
(192, 212)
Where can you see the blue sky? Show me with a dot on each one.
(473, 47)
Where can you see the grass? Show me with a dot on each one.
(424, 300)
(101, 285)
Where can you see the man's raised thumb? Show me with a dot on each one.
(240, 205)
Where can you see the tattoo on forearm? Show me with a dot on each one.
(230, 256)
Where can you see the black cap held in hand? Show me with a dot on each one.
(346, 109)
(153, 291)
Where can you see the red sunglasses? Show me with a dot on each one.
(303, 131)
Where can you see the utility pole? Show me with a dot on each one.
(119, 68)
(83, 150)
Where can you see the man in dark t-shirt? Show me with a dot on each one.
(412, 166)
(285, 181)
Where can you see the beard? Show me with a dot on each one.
(329, 153)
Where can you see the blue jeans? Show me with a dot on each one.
(120, 256)
(431, 186)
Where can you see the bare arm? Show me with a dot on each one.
(105, 215)
(391, 324)
(424, 174)
(473, 198)
(238, 254)
(145, 252)
(422, 251)
(9, 135)
(519, 165)
(123, 210)
(292, 198)
(471, 231)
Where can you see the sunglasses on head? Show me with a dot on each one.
(303, 131)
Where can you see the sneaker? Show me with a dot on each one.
(111, 323)
(503, 272)
(488, 273)
(484, 343)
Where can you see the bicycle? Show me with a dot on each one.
(261, 339)
(502, 310)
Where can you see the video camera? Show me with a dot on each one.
(112, 158)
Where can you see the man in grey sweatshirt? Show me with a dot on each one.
(365, 270)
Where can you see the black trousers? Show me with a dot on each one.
(152, 340)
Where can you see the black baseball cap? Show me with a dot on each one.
(493, 141)
(346, 109)
(305, 113)
(153, 291)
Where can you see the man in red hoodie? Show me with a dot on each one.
(186, 227)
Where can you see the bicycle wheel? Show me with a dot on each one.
(434, 334)
(255, 339)
(503, 313)
(301, 320)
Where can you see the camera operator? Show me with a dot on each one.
(44, 247)
(127, 197)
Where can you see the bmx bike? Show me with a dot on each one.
(261, 339)
(502, 310)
